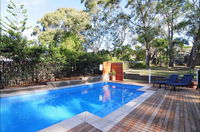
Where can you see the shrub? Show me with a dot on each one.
(113, 73)
(140, 65)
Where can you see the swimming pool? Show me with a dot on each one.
(32, 112)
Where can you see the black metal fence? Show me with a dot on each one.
(26, 73)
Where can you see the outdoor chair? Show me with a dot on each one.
(172, 78)
(186, 81)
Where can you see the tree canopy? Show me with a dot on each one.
(13, 43)
(156, 32)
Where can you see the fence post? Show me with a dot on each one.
(149, 76)
(198, 78)
(1, 75)
(55, 71)
(84, 69)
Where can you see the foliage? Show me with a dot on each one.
(124, 53)
(13, 43)
(160, 51)
(113, 73)
(96, 33)
(144, 15)
(90, 59)
(171, 11)
(139, 53)
(190, 25)
(109, 25)
(141, 30)
(35, 53)
(65, 19)
(60, 32)
(138, 65)
(148, 21)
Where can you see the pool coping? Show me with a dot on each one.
(106, 123)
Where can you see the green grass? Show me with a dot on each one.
(157, 71)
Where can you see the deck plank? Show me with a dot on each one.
(176, 116)
(193, 121)
(181, 114)
(84, 127)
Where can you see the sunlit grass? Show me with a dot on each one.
(157, 71)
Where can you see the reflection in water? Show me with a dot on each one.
(106, 93)
(84, 92)
(113, 86)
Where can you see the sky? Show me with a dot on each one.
(36, 9)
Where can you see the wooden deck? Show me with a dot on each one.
(165, 110)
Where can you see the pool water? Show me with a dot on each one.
(33, 112)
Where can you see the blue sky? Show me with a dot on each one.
(38, 8)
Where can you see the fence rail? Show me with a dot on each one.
(26, 73)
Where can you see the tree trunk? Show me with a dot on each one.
(170, 39)
(147, 58)
(171, 55)
(195, 52)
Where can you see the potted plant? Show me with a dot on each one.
(113, 75)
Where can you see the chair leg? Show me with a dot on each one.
(165, 86)
(159, 85)
(174, 88)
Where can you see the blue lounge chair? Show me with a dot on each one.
(186, 80)
(172, 78)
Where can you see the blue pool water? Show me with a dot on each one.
(32, 112)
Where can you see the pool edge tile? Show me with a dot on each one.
(54, 128)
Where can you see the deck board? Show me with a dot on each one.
(165, 110)
(84, 127)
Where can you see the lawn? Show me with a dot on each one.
(157, 71)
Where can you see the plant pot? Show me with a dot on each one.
(113, 78)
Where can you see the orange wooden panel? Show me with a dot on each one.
(106, 67)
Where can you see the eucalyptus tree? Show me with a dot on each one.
(145, 19)
(119, 30)
(139, 53)
(61, 31)
(140, 18)
(172, 13)
(190, 25)
(96, 33)
(160, 52)
(13, 43)
(109, 26)
(194, 31)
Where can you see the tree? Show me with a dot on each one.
(141, 18)
(124, 53)
(119, 29)
(171, 11)
(110, 25)
(62, 30)
(96, 33)
(13, 43)
(160, 51)
(144, 15)
(139, 53)
(190, 25)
